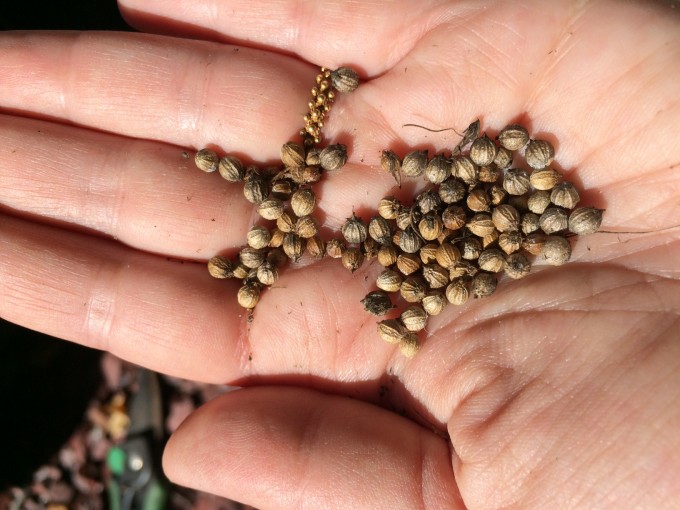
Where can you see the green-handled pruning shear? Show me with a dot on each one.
(137, 481)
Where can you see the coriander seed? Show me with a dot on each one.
(435, 275)
(335, 248)
(481, 224)
(306, 227)
(377, 303)
(556, 250)
(585, 220)
(302, 202)
(408, 263)
(389, 281)
(409, 344)
(539, 153)
(517, 266)
(438, 169)
(503, 158)
(251, 257)
(391, 330)
(434, 302)
(413, 289)
(414, 318)
(231, 169)
(391, 164)
(478, 200)
(451, 191)
(270, 209)
(505, 218)
(430, 226)
(354, 230)
(553, 220)
(530, 223)
(447, 255)
(414, 163)
(465, 170)
(410, 241)
(220, 267)
(457, 292)
(344, 79)
(292, 154)
(483, 151)
(267, 273)
(516, 181)
(248, 296)
(454, 217)
(316, 247)
(389, 208)
(483, 284)
(491, 260)
(565, 195)
(207, 160)
(379, 229)
(544, 178)
(352, 258)
(510, 242)
(293, 246)
(513, 137)
(387, 255)
(538, 201)
(258, 237)
(333, 157)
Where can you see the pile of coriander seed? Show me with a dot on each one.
(479, 217)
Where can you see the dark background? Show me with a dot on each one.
(45, 383)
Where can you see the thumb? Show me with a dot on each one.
(281, 447)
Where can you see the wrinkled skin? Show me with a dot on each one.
(559, 391)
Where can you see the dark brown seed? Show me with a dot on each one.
(377, 303)
(470, 248)
(255, 188)
(428, 201)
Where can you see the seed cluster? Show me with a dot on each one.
(479, 217)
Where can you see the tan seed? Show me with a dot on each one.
(553, 220)
(387, 255)
(414, 318)
(438, 169)
(408, 263)
(457, 292)
(391, 330)
(302, 202)
(220, 267)
(270, 209)
(251, 258)
(354, 230)
(517, 266)
(414, 163)
(333, 157)
(491, 260)
(538, 201)
(516, 181)
(435, 275)
(335, 248)
(413, 289)
(293, 246)
(483, 284)
(510, 242)
(481, 224)
(447, 255)
(506, 218)
(248, 296)
(434, 302)
(483, 151)
(316, 247)
(306, 227)
(451, 191)
(389, 281)
(292, 154)
(258, 237)
(565, 195)
(231, 169)
(344, 79)
(409, 344)
(207, 160)
(544, 178)
(267, 273)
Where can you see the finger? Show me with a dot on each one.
(165, 315)
(179, 91)
(294, 448)
(331, 33)
(146, 194)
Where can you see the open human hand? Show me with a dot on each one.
(558, 391)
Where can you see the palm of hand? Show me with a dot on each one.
(539, 387)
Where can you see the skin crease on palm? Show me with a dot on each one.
(559, 391)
